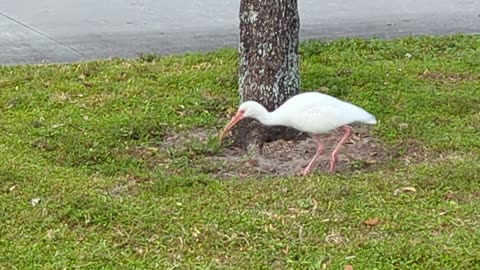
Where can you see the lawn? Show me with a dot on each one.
(89, 181)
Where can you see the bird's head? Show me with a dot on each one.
(248, 109)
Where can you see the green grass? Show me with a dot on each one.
(69, 134)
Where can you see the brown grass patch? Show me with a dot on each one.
(447, 76)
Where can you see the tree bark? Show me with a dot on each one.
(269, 66)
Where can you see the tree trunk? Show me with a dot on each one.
(269, 68)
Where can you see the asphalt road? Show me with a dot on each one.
(67, 31)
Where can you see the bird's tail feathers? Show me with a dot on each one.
(370, 120)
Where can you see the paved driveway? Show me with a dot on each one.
(67, 30)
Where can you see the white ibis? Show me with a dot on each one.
(310, 112)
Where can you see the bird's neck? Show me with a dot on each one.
(270, 118)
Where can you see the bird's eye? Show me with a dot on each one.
(242, 111)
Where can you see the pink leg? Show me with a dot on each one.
(317, 155)
(333, 158)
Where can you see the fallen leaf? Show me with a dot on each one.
(35, 201)
(403, 125)
(404, 189)
(323, 89)
(12, 188)
(253, 162)
(152, 149)
(348, 267)
(140, 251)
(372, 222)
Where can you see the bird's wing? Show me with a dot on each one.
(320, 113)
(321, 118)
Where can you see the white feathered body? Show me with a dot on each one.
(319, 113)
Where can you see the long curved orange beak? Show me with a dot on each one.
(239, 116)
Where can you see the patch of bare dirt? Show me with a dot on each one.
(447, 77)
(288, 158)
(278, 158)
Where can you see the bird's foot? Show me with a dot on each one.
(332, 166)
(306, 171)
(333, 161)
